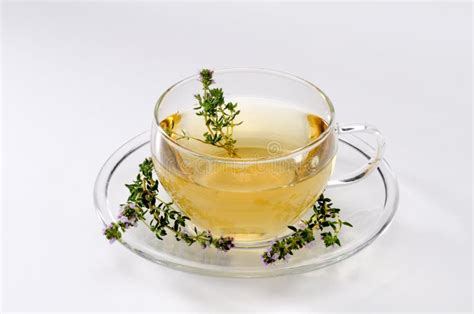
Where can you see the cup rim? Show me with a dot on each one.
(308, 146)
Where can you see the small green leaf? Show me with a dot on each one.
(292, 228)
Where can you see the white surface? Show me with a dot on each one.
(80, 79)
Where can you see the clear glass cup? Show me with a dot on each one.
(254, 199)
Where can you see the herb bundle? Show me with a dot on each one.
(145, 206)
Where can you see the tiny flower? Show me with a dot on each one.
(112, 232)
(267, 259)
(123, 218)
(225, 243)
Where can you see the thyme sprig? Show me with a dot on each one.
(219, 116)
(325, 219)
(144, 205)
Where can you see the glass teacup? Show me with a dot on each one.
(286, 153)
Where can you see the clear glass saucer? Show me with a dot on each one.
(369, 205)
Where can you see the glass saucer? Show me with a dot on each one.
(369, 205)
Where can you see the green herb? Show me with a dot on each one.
(159, 216)
(218, 116)
(144, 205)
(325, 219)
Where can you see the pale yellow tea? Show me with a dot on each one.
(255, 196)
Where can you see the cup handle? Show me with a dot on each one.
(372, 163)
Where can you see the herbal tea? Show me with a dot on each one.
(252, 195)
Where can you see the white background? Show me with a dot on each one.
(81, 79)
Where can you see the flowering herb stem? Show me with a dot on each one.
(325, 219)
(159, 216)
(218, 117)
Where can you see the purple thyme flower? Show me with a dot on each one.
(107, 228)
(128, 218)
(123, 218)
